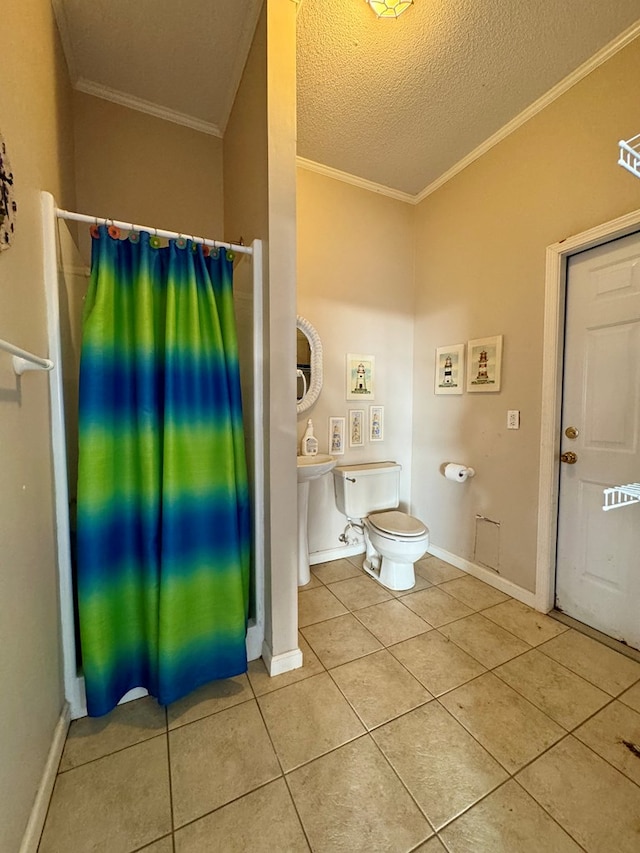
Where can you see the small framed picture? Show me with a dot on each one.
(356, 428)
(360, 376)
(336, 436)
(376, 423)
(484, 364)
(449, 378)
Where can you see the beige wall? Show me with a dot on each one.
(35, 110)
(259, 178)
(355, 285)
(480, 268)
(142, 169)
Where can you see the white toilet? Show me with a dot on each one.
(393, 539)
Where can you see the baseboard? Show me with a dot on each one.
(277, 664)
(336, 553)
(486, 575)
(33, 832)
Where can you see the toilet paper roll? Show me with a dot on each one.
(457, 473)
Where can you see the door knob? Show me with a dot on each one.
(571, 432)
(569, 457)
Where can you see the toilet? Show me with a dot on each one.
(368, 494)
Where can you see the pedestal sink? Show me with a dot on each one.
(309, 468)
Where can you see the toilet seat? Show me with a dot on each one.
(396, 523)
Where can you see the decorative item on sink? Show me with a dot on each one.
(309, 443)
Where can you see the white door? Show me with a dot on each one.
(598, 555)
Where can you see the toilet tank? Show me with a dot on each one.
(366, 488)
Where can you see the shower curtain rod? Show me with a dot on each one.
(158, 232)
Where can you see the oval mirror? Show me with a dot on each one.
(308, 364)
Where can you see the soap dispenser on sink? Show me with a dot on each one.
(309, 443)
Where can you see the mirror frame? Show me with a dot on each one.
(315, 345)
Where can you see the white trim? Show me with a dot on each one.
(557, 256)
(277, 664)
(486, 575)
(354, 180)
(599, 58)
(255, 634)
(35, 825)
(336, 553)
(73, 688)
(124, 99)
(609, 50)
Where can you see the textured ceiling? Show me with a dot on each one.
(394, 102)
(399, 102)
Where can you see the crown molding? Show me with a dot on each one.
(148, 107)
(354, 180)
(599, 58)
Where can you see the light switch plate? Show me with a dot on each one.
(513, 419)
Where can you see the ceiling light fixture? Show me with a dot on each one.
(389, 8)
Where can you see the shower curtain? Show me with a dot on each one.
(163, 506)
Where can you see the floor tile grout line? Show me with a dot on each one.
(566, 665)
(548, 813)
(404, 785)
(112, 752)
(171, 813)
(224, 805)
(213, 713)
(397, 717)
(610, 699)
(295, 808)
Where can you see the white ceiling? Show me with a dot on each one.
(398, 103)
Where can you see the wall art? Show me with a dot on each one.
(360, 376)
(356, 428)
(484, 364)
(336, 436)
(449, 373)
(8, 204)
(376, 423)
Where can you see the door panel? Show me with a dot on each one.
(598, 555)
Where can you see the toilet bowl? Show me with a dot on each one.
(368, 494)
(394, 542)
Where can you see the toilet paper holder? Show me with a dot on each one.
(458, 473)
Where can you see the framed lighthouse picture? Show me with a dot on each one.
(449, 374)
(360, 376)
(484, 364)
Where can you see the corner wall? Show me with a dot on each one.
(35, 105)
(355, 286)
(480, 271)
(260, 202)
(139, 168)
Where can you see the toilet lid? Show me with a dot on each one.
(397, 522)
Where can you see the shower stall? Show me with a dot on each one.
(66, 275)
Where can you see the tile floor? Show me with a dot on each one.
(448, 718)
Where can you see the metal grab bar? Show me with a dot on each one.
(24, 360)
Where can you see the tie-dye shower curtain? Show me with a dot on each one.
(163, 505)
